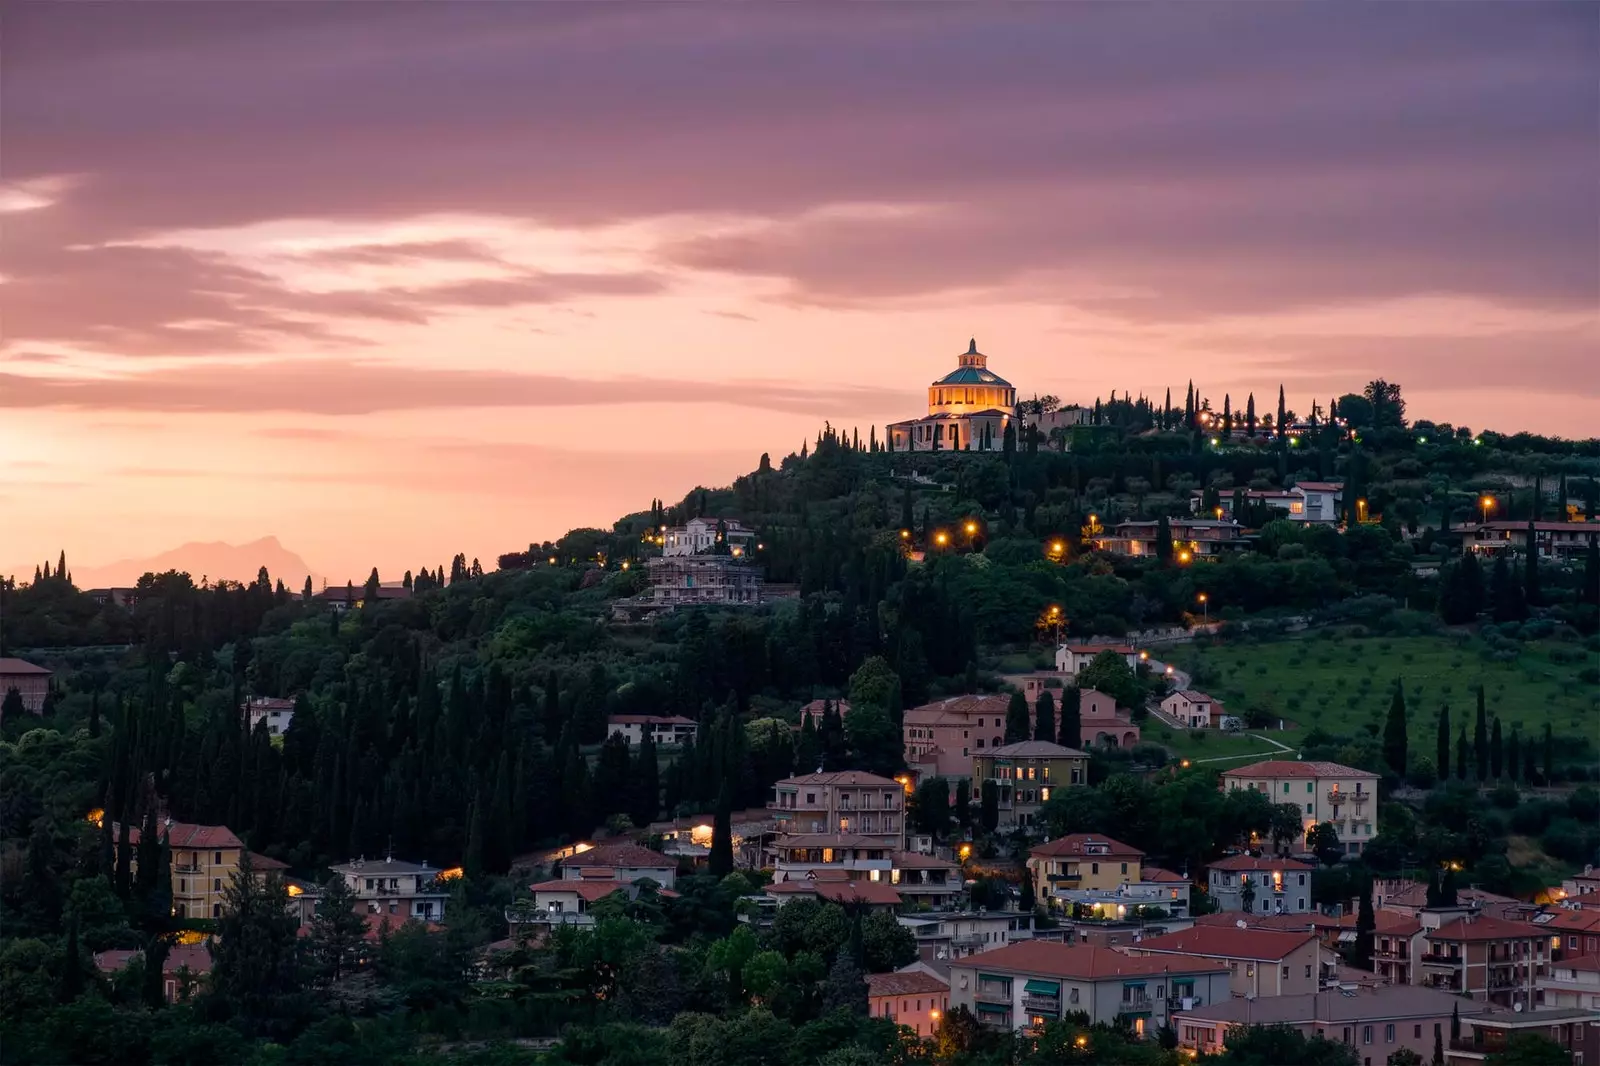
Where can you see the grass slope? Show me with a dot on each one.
(1343, 684)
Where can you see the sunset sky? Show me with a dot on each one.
(396, 281)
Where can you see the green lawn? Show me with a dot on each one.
(1235, 748)
(1343, 684)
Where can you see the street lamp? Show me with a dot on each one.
(1205, 608)
(1054, 618)
(1184, 557)
(1486, 504)
(1056, 548)
(941, 538)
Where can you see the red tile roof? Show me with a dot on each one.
(1575, 920)
(620, 856)
(1296, 768)
(587, 890)
(648, 719)
(1484, 929)
(911, 860)
(1081, 961)
(1224, 943)
(874, 893)
(1285, 923)
(910, 983)
(264, 863)
(16, 667)
(842, 777)
(187, 835)
(1073, 847)
(1320, 486)
(1260, 862)
(1156, 873)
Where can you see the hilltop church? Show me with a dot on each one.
(968, 410)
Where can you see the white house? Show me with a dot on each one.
(670, 730)
(1072, 658)
(1193, 710)
(698, 536)
(388, 886)
(624, 863)
(1316, 501)
(275, 712)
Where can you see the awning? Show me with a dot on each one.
(993, 1008)
(996, 978)
(1043, 988)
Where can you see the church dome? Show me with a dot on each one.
(974, 370)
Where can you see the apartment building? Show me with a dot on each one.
(204, 860)
(942, 737)
(1574, 933)
(1375, 1022)
(1488, 959)
(592, 875)
(1083, 861)
(846, 820)
(1025, 774)
(1025, 985)
(1577, 1032)
(1553, 540)
(664, 730)
(1102, 724)
(1260, 962)
(30, 681)
(387, 886)
(1572, 983)
(1261, 884)
(945, 935)
(1192, 538)
(1326, 792)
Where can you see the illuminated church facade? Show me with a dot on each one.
(968, 410)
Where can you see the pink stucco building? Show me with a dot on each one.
(941, 738)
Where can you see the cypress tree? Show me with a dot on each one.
(1394, 731)
(1227, 415)
(1163, 541)
(989, 808)
(1071, 720)
(1438, 1048)
(1044, 711)
(1496, 750)
(720, 864)
(1366, 922)
(1442, 743)
(1282, 414)
(1514, 755)
(1480, 738)
(1530, 766)
(1017, 719)
(124, 882)
(646, 785)
(1250, 416)
(808, 749)
(964, 802)
(1188, 407)
(1462, 753)
(1549, 755)
(70, 986)
(472, 864)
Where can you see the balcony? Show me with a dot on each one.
(186, 868)
(1064, 879)
(990, 994)
(1135, 1003)
(1439, 958)
(1049, 1006)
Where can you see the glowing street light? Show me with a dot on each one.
(1185, 557)
(1486, 504)
(1205, 608)
(941, 538)
(905, 534)
(972, 527)
(1144, 656)
(1169, 671)
(1056, 548)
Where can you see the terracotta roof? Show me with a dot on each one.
(378, 924)
(1072, 847)
(1085, 649)
(188, 835)
(626, 856)
(1483, 929)
(960, 707)
(1296, 768)
(815, 707)
(1260, 862)
(1582, 962)
(1221, 942)
(196, 958)
(14, 667)
(1033, 749)
(1284, 923)
(267, 704)
(1081, 961)
(264, 862)
(1195, 697)
(1543, 527)
(1319, 486)
(587, 890)
(910, 983)
(1333, 1006)
(1566, 919)
(648, 719)
(842, 777)
(1156, 873)
(871, 892)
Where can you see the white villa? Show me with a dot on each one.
(698, 536)
(968, 410)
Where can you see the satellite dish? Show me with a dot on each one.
(1517, 1007)
(1241, 924)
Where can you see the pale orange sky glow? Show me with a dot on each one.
(393, 307)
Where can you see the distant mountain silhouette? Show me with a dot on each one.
(215, 560)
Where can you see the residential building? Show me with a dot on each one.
(1574, 933)
(817, 708)
(1192, 538)
(1023, 986)
(1554, 540)
(1572, 983)
(836, 886)
(693, 581)
(701, 536)
(204, 859)
(925, 879)
(563, 901)
(1194, 710)
(276, 713)
(1072, 658)
(387, 886)
(1275, 500)
(1101, 723)
(1261, 884)
(1397, 947)
(942, 737)
(620, 863)
(1025, 774)
(1581, 884)
(847, 820)
(350, 595)
(668, 730)
(913, 998)
(1083, 861)
(1316, 501)
(122, 597)
(1326, 792)
(184, 971)
(1410, 898)
(1261, 962)
(1375, 1022)
(945, 935)
(30, 682)
(1488, 959)
(968, 410)
(1577, 1032)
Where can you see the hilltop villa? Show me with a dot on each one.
(968, 410)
